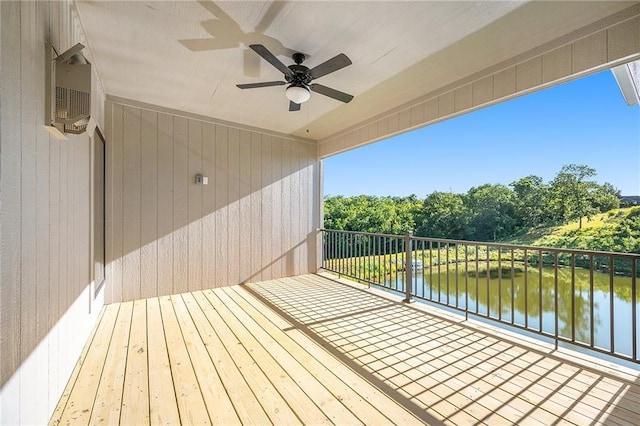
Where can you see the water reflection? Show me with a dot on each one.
(525, 295)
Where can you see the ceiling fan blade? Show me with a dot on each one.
(332, 93)
(334, 64)
(269, 57)
(294, 106)
(263, 84)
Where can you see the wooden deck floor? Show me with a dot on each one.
(312, 350)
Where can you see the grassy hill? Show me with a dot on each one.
(616, 230)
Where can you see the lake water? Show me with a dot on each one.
(508, 295)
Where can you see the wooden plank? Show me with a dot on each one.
(367, 402)
(117, 163)
(191, 405)
(180, 204)
(163, 408)
(131, 199)
(165, 204)
(221, 191)
(244, 401)
(256, 207)
(28, 236)
(78, 398)
(267, 211)
(233, 208)
(108, 399)
(195, 207)
(244, 206)
(213, 391)
(271, 401)
(311, 385)
(149, 195)
(209, 206)
(135, 395)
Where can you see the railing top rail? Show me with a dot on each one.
(496, 245)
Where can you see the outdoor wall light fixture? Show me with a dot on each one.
(298, 93)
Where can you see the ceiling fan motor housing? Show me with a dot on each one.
(301, 74)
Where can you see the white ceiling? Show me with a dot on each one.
(189, 55)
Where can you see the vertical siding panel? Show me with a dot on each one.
(276, 207)
(623, 39)
(117, 143)
(504, 83)
(149, 204)
(131, 204)
(482, 91)
(245, 206)
(221, 205)
(10, 216)
(41, 395)
(54, 267)
(28, 379)
(266, 211)
(165, 204)
(63, 289)
(83, 209)
(297, 243)
(289, 199)
(209, 206)
(233, 218)
(180, 207)
(556, 64)
(195, 206)
(446, 104)
(256, 203)
(463, 98)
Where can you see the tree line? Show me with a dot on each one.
(487, 212)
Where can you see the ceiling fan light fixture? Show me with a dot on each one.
(298, 94)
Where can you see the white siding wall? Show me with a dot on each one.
(45, 314)
(584, 52)
(255, 220)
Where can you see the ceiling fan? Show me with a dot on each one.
(299, 77)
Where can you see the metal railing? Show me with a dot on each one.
(579, 297)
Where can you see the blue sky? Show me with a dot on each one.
(585, 121)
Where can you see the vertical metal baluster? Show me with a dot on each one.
(526, 289)
(408, 266)
(477, 279)
(488, 284)
(466, 282)
(439, 273)
(540, 287)
(611, 311)
(573, 297)
(634, 325)
(423, 262)
(457, 295)
(430, 270)
(592, 338)
(513, 273)
(555, 293)
(395, 241)
(447, 270)
(499, 284)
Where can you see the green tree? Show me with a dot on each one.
(572, 193)
(606, 197)
(444, 215)
(531, 201)
(492, 212)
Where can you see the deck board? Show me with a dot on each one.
(314, 350)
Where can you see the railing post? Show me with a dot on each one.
(408, 267)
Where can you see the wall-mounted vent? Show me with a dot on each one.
(69, 89)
